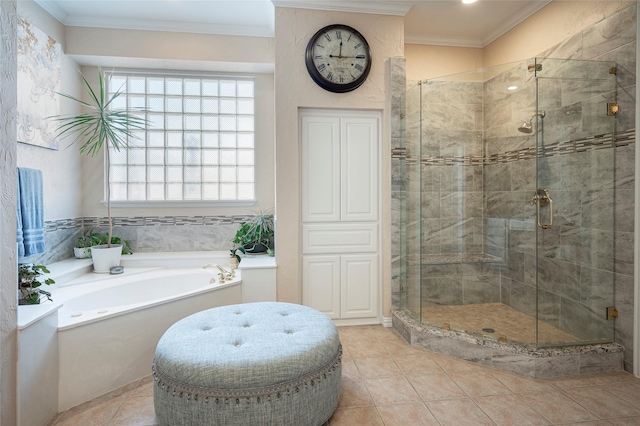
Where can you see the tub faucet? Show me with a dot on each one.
(224, 274)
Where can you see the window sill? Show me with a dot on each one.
(165, 204)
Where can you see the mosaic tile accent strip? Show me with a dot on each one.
(559, 148)
(56, 225)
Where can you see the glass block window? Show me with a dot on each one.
(199, 144)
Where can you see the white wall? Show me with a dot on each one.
(8, 252)
(61, 169)
(295, 90)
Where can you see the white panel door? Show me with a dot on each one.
(321, 284)
(320, 169)
(359, 169)
(359, 289)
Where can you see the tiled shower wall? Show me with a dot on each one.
(575, 279)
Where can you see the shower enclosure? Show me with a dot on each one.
(508, 220)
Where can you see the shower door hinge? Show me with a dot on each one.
(612, 108)
(612, 313)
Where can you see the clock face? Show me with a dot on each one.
(338, 58)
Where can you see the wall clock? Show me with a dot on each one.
(338, 58)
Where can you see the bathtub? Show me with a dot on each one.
(109, 325)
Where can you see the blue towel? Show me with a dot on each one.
(30, 212)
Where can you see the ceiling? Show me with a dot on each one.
(444, 22)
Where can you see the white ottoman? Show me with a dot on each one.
(265, 363)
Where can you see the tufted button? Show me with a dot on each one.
(206, 328)
(237, 312)
(246, 325)
(237, 343)
(284, 314)
(288, 331)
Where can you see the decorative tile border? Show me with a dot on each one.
(57, 225)
(559, 148)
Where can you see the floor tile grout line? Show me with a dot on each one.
(124, 400)
(587, 408)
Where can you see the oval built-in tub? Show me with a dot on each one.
(109, 325)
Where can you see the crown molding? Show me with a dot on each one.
(437, 40)
(395, 8)
(53, 10)
(169, 26)
(154, 25)
(453, 41)
(516, 19)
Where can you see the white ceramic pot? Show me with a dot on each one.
(105, 258)
(82, 252)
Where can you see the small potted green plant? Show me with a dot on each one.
(256, 234)
(29, 281)
(82, 249)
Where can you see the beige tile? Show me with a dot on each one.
(593, 379)
(507, 410)
(350, 371)
(557, 407)
(391, 390)
(385, 334)
(92, 413)
(627, 421)
(354, 394)
(436, 386)
(415, 414)
(371, 368)
(454, 365)
(356, 333)
(480, 384)
(135, 411)
(591, 423)
(366, 349)
(366, 416)
(602, 402)
(457, 412)
(144, 387)
(520, 384)
(629, 392)
(346, 355)
(402, 348)
(417, 364)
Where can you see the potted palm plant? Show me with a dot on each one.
(102, 125)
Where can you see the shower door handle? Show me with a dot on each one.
(542, 199)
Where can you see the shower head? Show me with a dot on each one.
(527, 126)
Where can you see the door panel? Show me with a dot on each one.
(359, 297)
(321, 284)
(320, 169)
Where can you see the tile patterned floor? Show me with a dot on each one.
(387, 382)
(503, 319)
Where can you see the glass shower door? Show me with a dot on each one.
(572, 207)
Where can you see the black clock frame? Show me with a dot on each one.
(315, 74)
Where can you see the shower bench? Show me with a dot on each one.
(266, 363)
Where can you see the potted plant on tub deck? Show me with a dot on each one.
(255, 236)
(29, 281)
(101, 126)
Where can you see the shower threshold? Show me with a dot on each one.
(519, 358)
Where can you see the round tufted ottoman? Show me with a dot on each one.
(264, 363)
